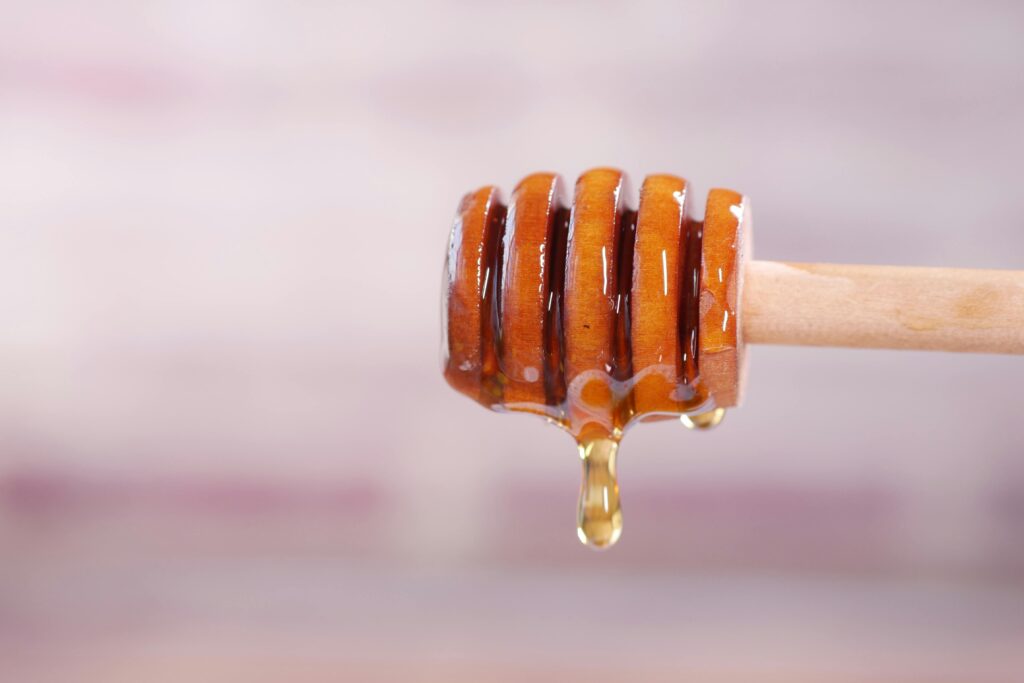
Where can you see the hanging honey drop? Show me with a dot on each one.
(599, 516)
(703, 420)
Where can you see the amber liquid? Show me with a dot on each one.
(600, 404)
(597, 406)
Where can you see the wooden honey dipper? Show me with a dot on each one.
(608, 312)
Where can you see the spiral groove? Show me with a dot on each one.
(597, 314)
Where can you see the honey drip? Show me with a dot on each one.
(707, 420)
(599, 515)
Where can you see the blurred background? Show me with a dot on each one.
(226, 449)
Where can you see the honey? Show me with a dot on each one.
(588, 315)
(599, 514)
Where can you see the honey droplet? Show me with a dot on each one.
(599, 517)
(703, 420)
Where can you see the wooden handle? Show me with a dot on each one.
(884, 307)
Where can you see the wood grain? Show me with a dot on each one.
(884, 307)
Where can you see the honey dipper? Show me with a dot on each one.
(611, 311)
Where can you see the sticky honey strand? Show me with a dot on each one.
(592, 316)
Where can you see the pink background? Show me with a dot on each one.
(226, 449)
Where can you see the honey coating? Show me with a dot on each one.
(726, 245)
(470, 366)
(597, 315)
(596, 303)
(666, 259)
(536, 217)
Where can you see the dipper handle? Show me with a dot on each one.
(884, 307)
